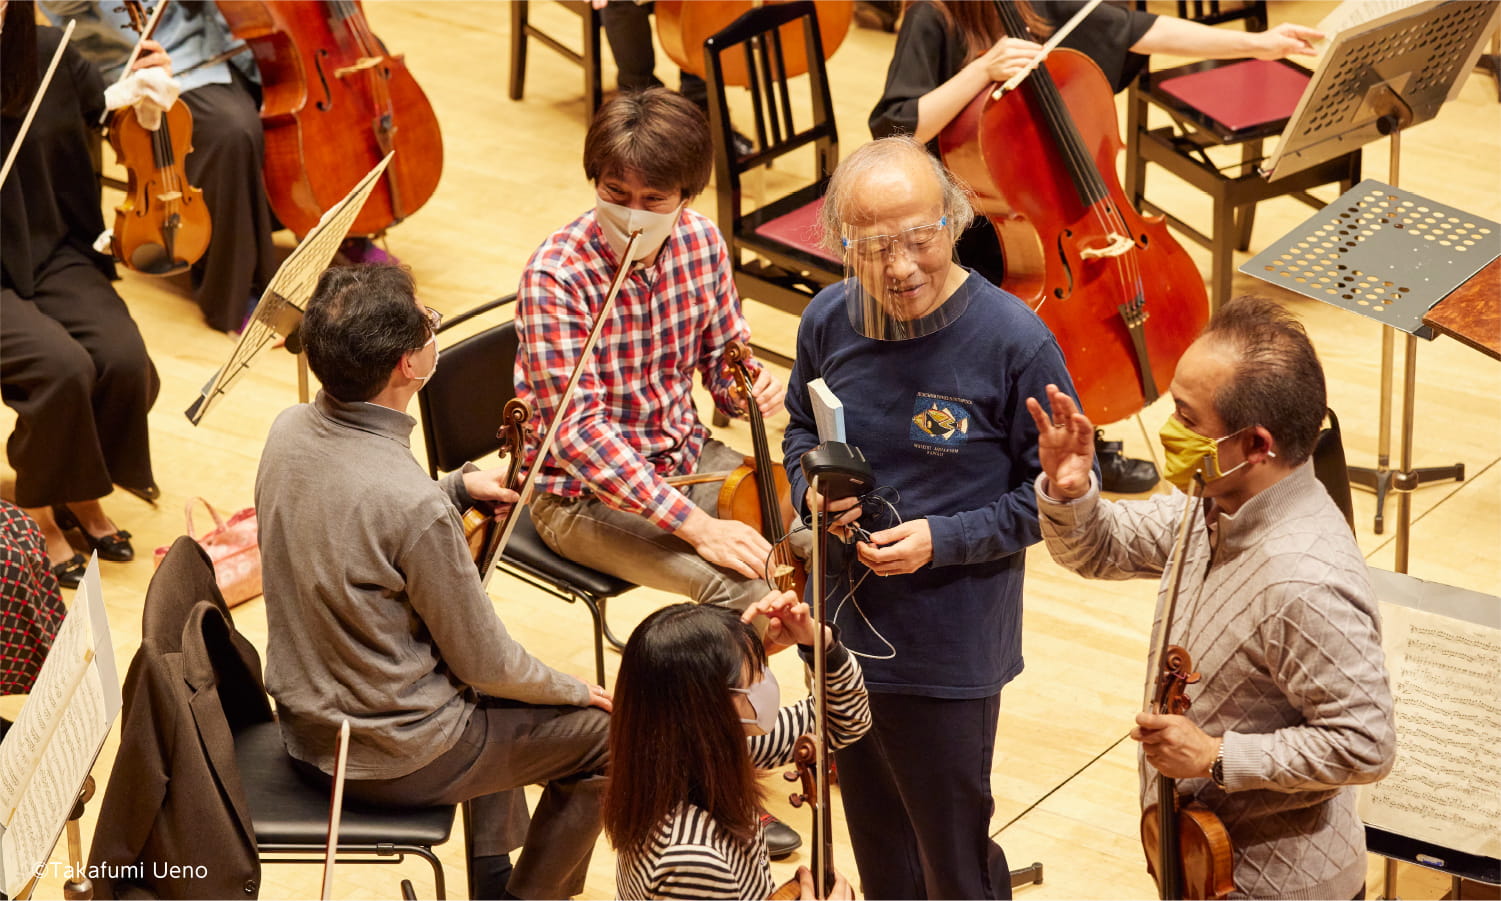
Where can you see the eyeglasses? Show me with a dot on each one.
(434, 319)
(915, 239)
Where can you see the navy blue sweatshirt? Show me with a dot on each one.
(943, 420)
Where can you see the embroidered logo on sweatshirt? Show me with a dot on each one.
(940, 424)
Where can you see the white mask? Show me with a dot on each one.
(437, 352)
(765, 699)
(617, 222)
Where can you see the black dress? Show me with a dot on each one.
(72, 362)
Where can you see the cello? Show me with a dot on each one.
(1118, 292)
(684, 25)
(162, 226)
(335, 102)
(756, 493)
(1187, 848)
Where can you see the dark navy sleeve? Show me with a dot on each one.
(1009, 524)
(801, 435)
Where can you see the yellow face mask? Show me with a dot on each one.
(1186, 452)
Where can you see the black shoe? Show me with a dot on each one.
(1119, 473)
(70, 572)
(114, 547)
(781, 839)
(490, 876)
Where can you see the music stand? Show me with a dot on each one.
(1389, 256)
(1375, 80)
(279, 311)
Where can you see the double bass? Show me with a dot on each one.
(334, 102)
(162, 226)
(1119, 293)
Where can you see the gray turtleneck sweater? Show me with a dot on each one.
(1280, 618)
(374, 606)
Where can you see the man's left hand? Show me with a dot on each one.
(1175, 746)
(490, 485)
(769, 392)
(902, 549)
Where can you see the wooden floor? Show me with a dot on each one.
(1064, 776)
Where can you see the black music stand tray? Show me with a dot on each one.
(1376, 80)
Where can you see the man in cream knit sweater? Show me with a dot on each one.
(1293, 709)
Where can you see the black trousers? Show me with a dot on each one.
(75, 370)
(917, 798)
(627, 26)
(228, 152)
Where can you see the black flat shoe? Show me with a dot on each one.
(114, 547)
(70, 572)
(781, 839)
(1119, 473)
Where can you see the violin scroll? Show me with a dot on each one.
(1173, 679)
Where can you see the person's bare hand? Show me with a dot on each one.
(903, 548)
(1174, 745)
(769, 393)
(1007, 57)
(153, 56)
(600, 697)
(727, 543)
(789, 621)
(1285, 40)
(1065, 444)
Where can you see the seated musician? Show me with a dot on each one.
(376, 613)
(228, 149)
(697, 708)
(946, 53)
(73, 364)
(931, 362)
(603, 496)
(1275, 606)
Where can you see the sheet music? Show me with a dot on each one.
(1446, 681)
(52, 746)
(1353, 13)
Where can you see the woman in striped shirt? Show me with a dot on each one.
(695, 716)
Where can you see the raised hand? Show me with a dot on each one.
(1065, 444)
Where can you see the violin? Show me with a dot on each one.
(684, 25)
(1187, 848)
(757, 493)
(1118, 292)
(162, 227)
(334, 102)
(481, 529)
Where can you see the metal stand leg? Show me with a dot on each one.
(1030, 875)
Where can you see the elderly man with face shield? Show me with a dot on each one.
(1293, 708)
(932, 364)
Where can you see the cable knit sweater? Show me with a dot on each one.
(1279, 616)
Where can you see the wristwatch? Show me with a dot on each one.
(1217, 771)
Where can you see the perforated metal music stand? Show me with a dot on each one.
(1378, 79)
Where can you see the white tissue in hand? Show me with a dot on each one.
(150, 91)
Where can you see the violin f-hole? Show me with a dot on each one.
(327, 103)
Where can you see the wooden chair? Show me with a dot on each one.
(588, 58)
(1218, 104)
(777, 256)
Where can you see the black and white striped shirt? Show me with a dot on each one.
(690, 856)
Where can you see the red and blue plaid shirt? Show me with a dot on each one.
(631, 422)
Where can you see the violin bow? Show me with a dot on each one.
(493, 552)
(36, 102)
(145, 31)
(1052, 42)
(1180, 551)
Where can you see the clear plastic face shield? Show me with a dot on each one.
(901, 282)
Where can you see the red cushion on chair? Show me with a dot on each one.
(1241, 94)
(799, 229)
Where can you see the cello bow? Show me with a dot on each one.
(495, 543)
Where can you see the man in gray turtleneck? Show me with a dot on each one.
(1294, 709)
(377, 615)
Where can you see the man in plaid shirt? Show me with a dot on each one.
(604, 498)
